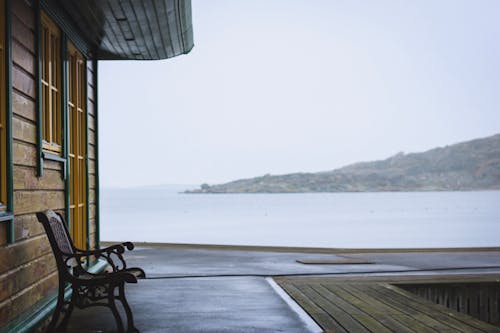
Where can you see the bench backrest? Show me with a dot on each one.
(58, 235)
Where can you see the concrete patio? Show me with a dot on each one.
(228, 289)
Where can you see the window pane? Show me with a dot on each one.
(52, 53)
(45, 106)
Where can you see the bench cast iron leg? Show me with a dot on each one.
(62, 326)
(112, 306)
(57, 311)
(130, 318)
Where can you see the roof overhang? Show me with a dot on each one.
(133, 29)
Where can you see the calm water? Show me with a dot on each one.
(361, 220)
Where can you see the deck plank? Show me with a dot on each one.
(375, 319)
(373, 304)
(429, 313)
(344, 318)
(389, 316)
(319, 315)
(394, 316)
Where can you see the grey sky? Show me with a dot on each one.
(277, 86)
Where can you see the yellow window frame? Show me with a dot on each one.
(51, 78)
(77, 149)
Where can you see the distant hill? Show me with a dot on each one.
(471, 165)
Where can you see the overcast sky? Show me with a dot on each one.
(280, 86)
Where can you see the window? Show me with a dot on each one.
(51, 86)
(77, 81)
(3, 114)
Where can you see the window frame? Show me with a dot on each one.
(51, 86)
(77, 143)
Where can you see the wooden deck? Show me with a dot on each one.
(378, 304)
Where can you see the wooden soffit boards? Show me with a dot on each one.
(133, 29)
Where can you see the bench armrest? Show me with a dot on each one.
(112, 254)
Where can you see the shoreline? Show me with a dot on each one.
(327, 192)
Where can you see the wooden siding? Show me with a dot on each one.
(27, 267)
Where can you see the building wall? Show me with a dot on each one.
(27, 268)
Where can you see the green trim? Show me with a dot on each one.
(30, 320)
(8, 123)
(65, 121)
(56, 158)
(39, 116)
(53, 157)
(96, 161)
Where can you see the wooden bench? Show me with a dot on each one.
(88, 289)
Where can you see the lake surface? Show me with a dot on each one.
(340, 220)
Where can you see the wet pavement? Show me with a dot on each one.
(226, 290)
(235, 304)
(167, 262)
